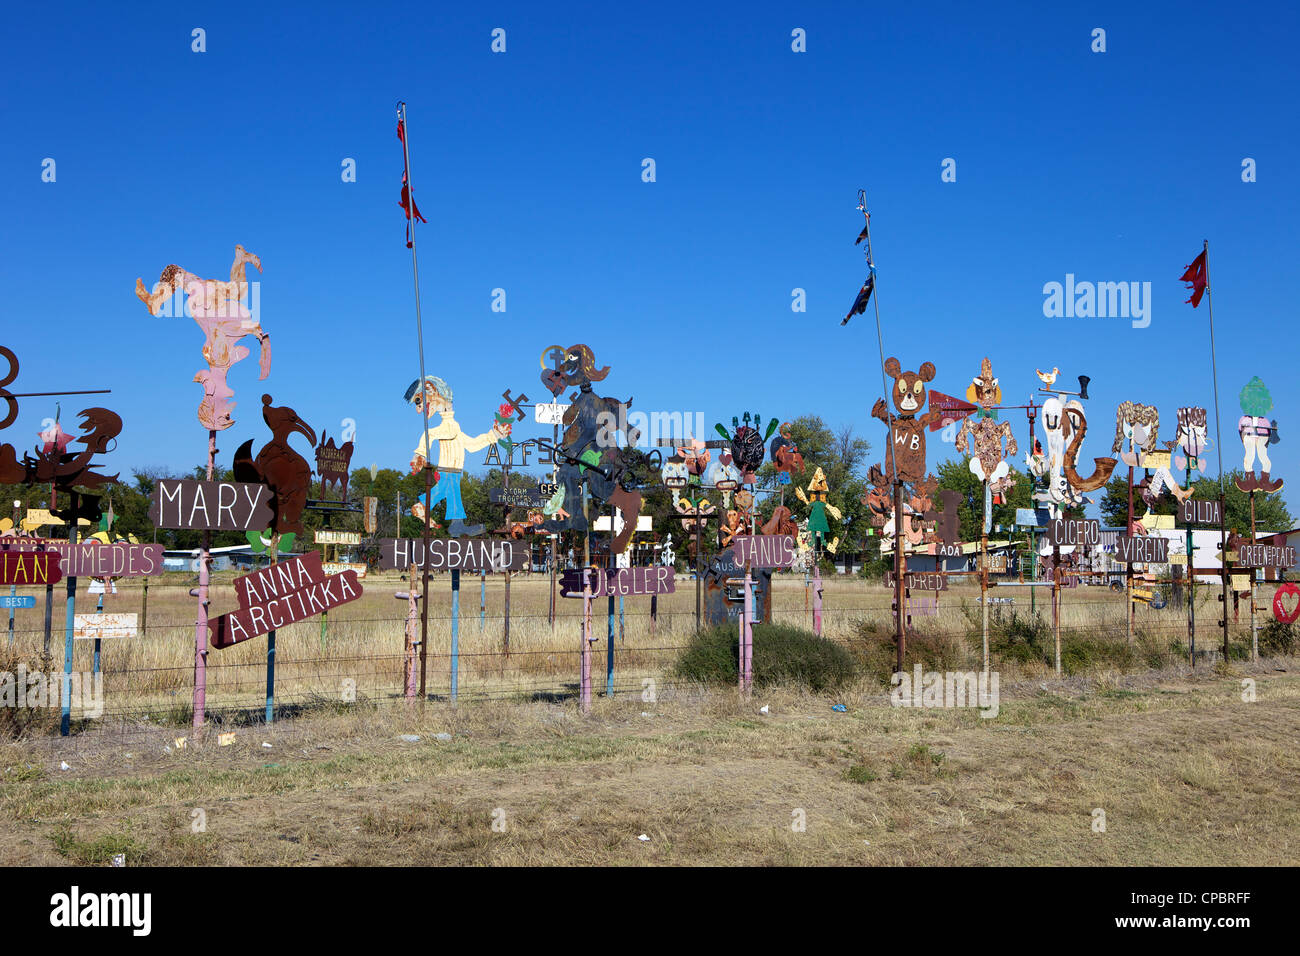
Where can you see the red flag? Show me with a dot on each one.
(1195, 278)
(950, 410)
(407, 204)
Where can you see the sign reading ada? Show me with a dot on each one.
(184, 503)
(280, 595)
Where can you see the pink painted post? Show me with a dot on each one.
(201, 622)
(585, 686)
(817, 600)
(412, 628)
(747, 636)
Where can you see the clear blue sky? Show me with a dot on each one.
(1112, 166)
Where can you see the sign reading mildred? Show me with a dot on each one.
(446, 554)
(276, 597)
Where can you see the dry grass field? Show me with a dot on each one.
(1185, 769)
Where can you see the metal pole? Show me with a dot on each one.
(1056, 604)
(1254, 632)
(900, 627)
(270, 647)
(65, 726)
(201, 621)
(984, 578)
(1128, 567)
(455, 630)
(584, 680)
(1191, 583)
(1218, 436)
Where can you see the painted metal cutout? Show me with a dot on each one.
(907, 427)
(981, 435)
(818, 528)
(1257, 433)
(279, 467)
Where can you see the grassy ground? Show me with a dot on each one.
(1185, 770)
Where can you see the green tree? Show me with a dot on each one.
(955, 474)
(1271, 513)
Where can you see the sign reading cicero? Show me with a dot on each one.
(1195, 511)
(29, 567)
(1074, 531)
(1141, 550)
(280, 595)
(764, 550)
(120, 559)
(447, 554)
(1265, 556)
(627, 582)
(210, 505)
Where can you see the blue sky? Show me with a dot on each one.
(1112, 166)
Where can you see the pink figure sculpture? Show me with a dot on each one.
(219, 309)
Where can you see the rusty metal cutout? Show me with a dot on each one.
(279, 467)
(333, 464)
(982, 434)
(905, 461)
(1139, 426)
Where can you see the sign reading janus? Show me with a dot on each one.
(1266, 556)
(1140, 550)
(210, 505)
(94, 559)
(624, 581)
(765, 550)
(280, 595)
(447, 554)
(1074, 531)
(1195, 511)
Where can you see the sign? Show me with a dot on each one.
(325, 536)
(517, 497)
(97, 560)
(954, 550)
(1028, 518)
(1265, 555)
(764, 550)
(996, 561)
(1194, 511)
(446, 554)
(628, 582)
(280, 595)
(370, 514)
(1074, 531)
(1137, 550)
(29, 567)
(338, 567)
(1178, 559)
(87, 627)
(210, 505)
(19, 601)
(1286, 603)
(920, 580)
(949, 408)
(921, 605)
(97, 586)
(551, 414)
(1240, 582)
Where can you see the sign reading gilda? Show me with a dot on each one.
(280, 595)
(447, 554)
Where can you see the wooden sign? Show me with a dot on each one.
(445, 554)
(87, 627)
(1265, 555)
(1195, 511)
(280, 595)
(338, 567)
(1240, 582)
(370, 514)
(95, 559)
(1074, 531)
(954, 550)
(517, 497)
(211, 505)
(1141, 550)
(17, 602)
(628, 582)
(765, 550)
(920, 580)
(325, 536)
(29, 567)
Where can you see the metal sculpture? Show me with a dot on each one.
(746, 445)
(906, 460)
(279, 467)
(785, 455)
(981, 435)
(587, 455)
(453, 443)
(818, 506)
(1257, 433)
(333, 464)
(218, 308)
(1138, 425)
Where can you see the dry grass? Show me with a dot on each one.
(1186, 772)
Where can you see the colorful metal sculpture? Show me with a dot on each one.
(219, 309)
(1139, 425)
(452, 446)
(279, 467)
(333, 464)
(818, 506)
(1257, 433)
(785, 455)
(585, 460)
(981, 435)
(747, 446)
(906, 460)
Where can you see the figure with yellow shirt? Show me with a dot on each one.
(452, 446)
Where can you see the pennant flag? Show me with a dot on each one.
(864, 296)
(408, 205)
(950, 409)
(1195, 278)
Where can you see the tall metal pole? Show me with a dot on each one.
(1218, 437)
(201, 621)
(1191, 582)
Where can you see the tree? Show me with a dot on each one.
(1271, 513)
(1114, 503)
(955, 474)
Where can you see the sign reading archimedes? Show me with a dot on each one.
(211, 505)
(446, 554)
